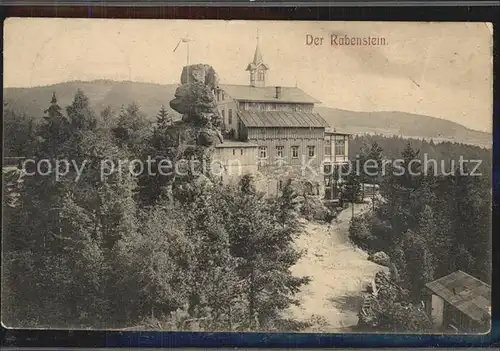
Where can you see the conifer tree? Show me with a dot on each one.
(132, 130)
(351, 189)
(21, 130)
(265, 257)
(373, 167)
(163, 119)
(80, 114)
(54, 131)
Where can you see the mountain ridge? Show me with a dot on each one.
(150, 96)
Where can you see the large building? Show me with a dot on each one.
(275, 131)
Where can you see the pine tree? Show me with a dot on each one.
(411, 169)
(80, 114)
(374, 168)
(351, 189)
(108, 118)
(214, 292)
(287, 207)
(265, 257)
(54, 131)
(132, 130)
(163, 119)
(415, 266)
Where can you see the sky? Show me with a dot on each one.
(437, 69)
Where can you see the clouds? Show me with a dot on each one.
(439, 69)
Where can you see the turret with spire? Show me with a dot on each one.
(257, 68)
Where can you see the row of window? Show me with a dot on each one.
(229, 116)
(234, 152)
(280, 151)
(220, 95)
(260, 75)
(339, 148)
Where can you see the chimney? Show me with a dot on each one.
(278, 92)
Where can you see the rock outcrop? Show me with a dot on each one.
(195, 100)
(199, 129)
(200, 73)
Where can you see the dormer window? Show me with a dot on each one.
(261, 75)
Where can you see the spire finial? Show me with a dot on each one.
(257, 57)
(54, 99)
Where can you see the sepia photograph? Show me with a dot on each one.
(247, 176)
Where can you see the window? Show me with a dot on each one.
(230, 116)
(252, 75)
(328, 149)
(279, 151)
(262, 151)
(241, 152)
(295, 152)
(310, 150)
(234, 152)
(340, 147)
(261, 75)
(223, 114)
(280, 184)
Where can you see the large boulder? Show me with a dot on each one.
(200, 73)
(194, 99)
(209, 137)
(380, 258)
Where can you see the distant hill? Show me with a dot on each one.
(150, 97)
(101, 93)
(403, 124)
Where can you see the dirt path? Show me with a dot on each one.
(339, 272)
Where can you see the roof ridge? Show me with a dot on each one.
(477, 279)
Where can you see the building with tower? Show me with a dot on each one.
(284, 136)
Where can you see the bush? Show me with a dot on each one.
(360, 233)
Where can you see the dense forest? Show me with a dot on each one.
(429, 225)
(189, 253)
(118, 251)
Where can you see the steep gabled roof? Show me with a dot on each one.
(267, 94)
(466, 293)
(282, 119)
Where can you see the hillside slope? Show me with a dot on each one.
(149, 96)
(403, 124)
(101, 93)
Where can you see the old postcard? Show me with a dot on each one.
(247, 176)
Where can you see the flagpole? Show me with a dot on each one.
(187, 61)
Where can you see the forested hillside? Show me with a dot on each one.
(127, 249)
(185, 253)
(149, 96)
(429, 225)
